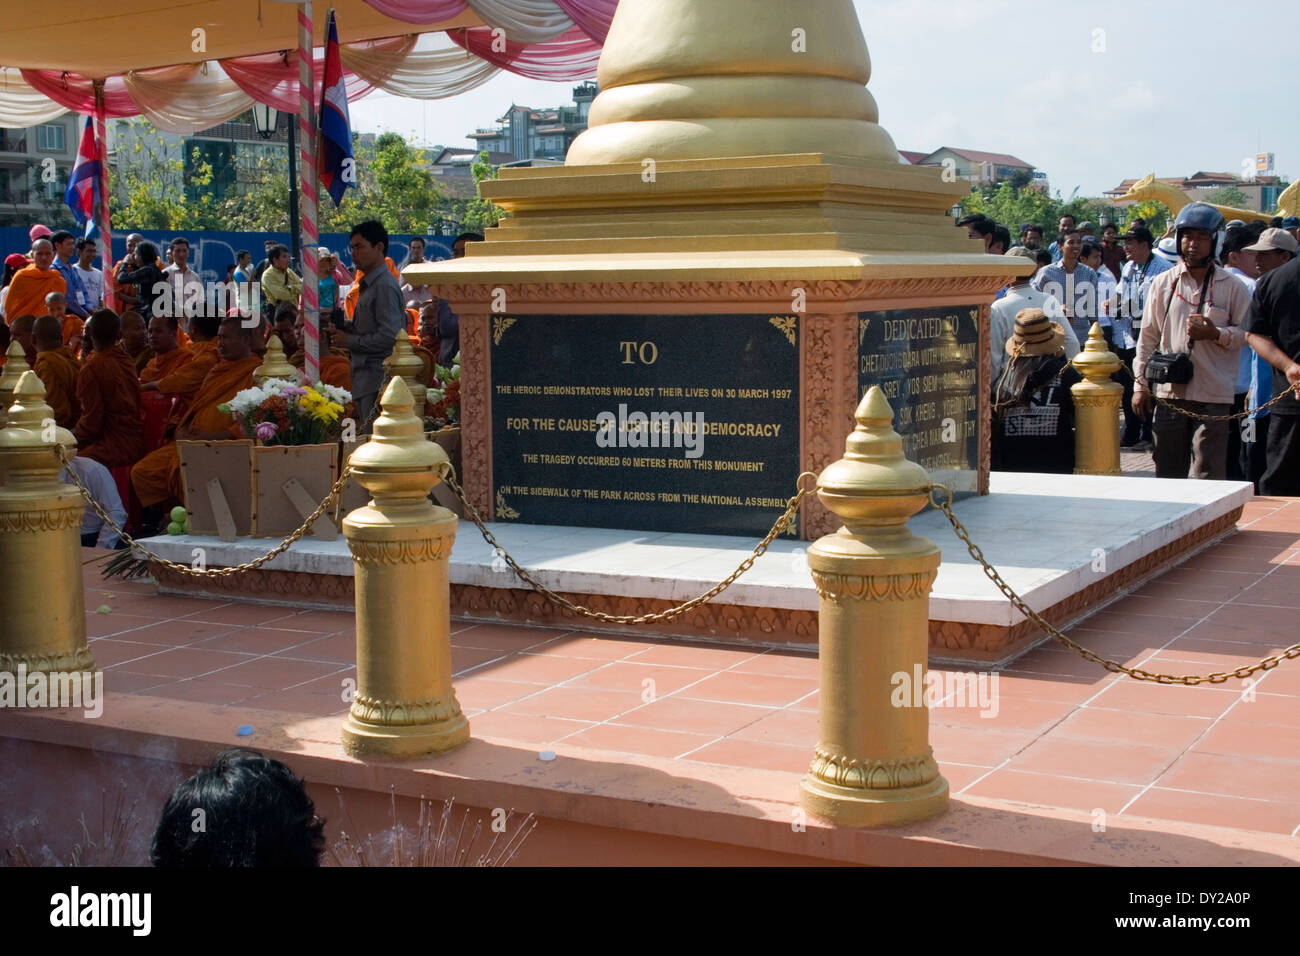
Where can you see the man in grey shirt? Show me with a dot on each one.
(379, 316)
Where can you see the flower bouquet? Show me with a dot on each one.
(445, 397)
(279, 412)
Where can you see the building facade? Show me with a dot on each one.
(35, 163)
(976, 166)
(524, 133)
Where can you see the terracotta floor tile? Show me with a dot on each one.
(247, 614)
(1044, 790)
(113, 623)
(533, 731)
(1152, 628)
(1118, 726)
(462, 658)
(206, 691)
(1245, 624)
(1211, 588)
(1283, 679)
(1270, 594)
(295, 702)
(589, 647)
(186, 662)
(337, 648)
(159, 606)
(533, 669)
(638, 740)
(693, 655)
(760, 756)
(1273, 741)
(1215, 561)
(108, 651)
(1132, 696)
(959, 776)
(1217, 655)
(794, 728)
(1216, 810)
(761, 689)
(483, 693)
(320, 623)
(1015, 715)
(1049, 663)
(1166, 608)
(1028, 685)
(129, 682)
(1105, 761)
(781, 664)
(975, 745)
(256, 640)
(503, 637)
(1183, 574)
(1266, 709)
(275, 673)
(574, 704)
(177, 633)
(645, 679)
(340, 686)
(693, 716)
(811, 703)
(1235, 776)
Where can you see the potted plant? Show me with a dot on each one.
(442, 425)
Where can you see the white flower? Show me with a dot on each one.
(335, 394)
(249, 400)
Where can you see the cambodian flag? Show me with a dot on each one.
(337, 171)
(83, 195)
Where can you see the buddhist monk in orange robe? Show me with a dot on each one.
(335, 364)
(57, 370)
(56, 304)
(168, 356)
(135, 339)
(31, 284)
(185, 378)
(157, 477)
(20, 331)
(110, 429)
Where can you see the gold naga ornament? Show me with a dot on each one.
(1149, 188)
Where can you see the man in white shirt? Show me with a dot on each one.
(91, 277)
(183, 283)
(95, 531)
(1021, 295)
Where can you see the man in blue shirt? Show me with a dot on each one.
(65, 255)
(1072, 283)
(1135, 277)
(1067, 223)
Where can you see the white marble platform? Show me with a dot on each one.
(1042, 532)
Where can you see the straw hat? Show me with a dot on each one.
(1035, 334)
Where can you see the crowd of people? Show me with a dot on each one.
(131, 380)
(1225, 409)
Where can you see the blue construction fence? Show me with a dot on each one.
(211, 252)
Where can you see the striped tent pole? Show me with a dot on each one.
(105, 234)
(308, 166)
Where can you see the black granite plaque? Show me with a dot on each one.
(927, 363)
(685, 423)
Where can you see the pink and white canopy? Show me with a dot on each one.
(542, 39)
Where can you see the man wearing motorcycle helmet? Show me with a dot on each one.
(1196, 308)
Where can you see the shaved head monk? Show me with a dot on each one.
(335, 364)
(56, 304)
(157, 477)
(20, 331)
(57, 370)
(31, 284)
(168, 356)
(185, 378)
(110, 429)
(135, 339)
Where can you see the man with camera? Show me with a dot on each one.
(1189, 350)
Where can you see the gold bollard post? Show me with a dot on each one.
(1096, 408)
(15, 365)
(401, 545)
(403, 363)
(42, 604)
(873, 764)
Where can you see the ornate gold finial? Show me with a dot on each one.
(275, 365)
(14, 367)
(403, 363)
(398, 462)
(874, 481)
(681, 79)
(1096, 362)
(31, 428)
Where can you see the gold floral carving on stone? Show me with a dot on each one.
(371, 710)
(863, 325)
(499, 326)
(77, 660)
(887, 587)
(36, 522)
(829, 383)
(475, 408)
(786, 324)
(503, 509)
(870, 774)
(385, 553)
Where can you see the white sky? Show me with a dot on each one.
(1023, 78)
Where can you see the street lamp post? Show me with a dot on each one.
(267, 120)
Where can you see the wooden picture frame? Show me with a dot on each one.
(230, 464)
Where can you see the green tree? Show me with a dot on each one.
(478, 214)
(1227, 196)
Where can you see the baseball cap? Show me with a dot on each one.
(1023, 252)
(1141, 234)
(16, 260)
(1271, 239)
(1291, 222)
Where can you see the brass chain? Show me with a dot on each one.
(140, 550)
(1211, 418)
(659, 616)
(1218, 677)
